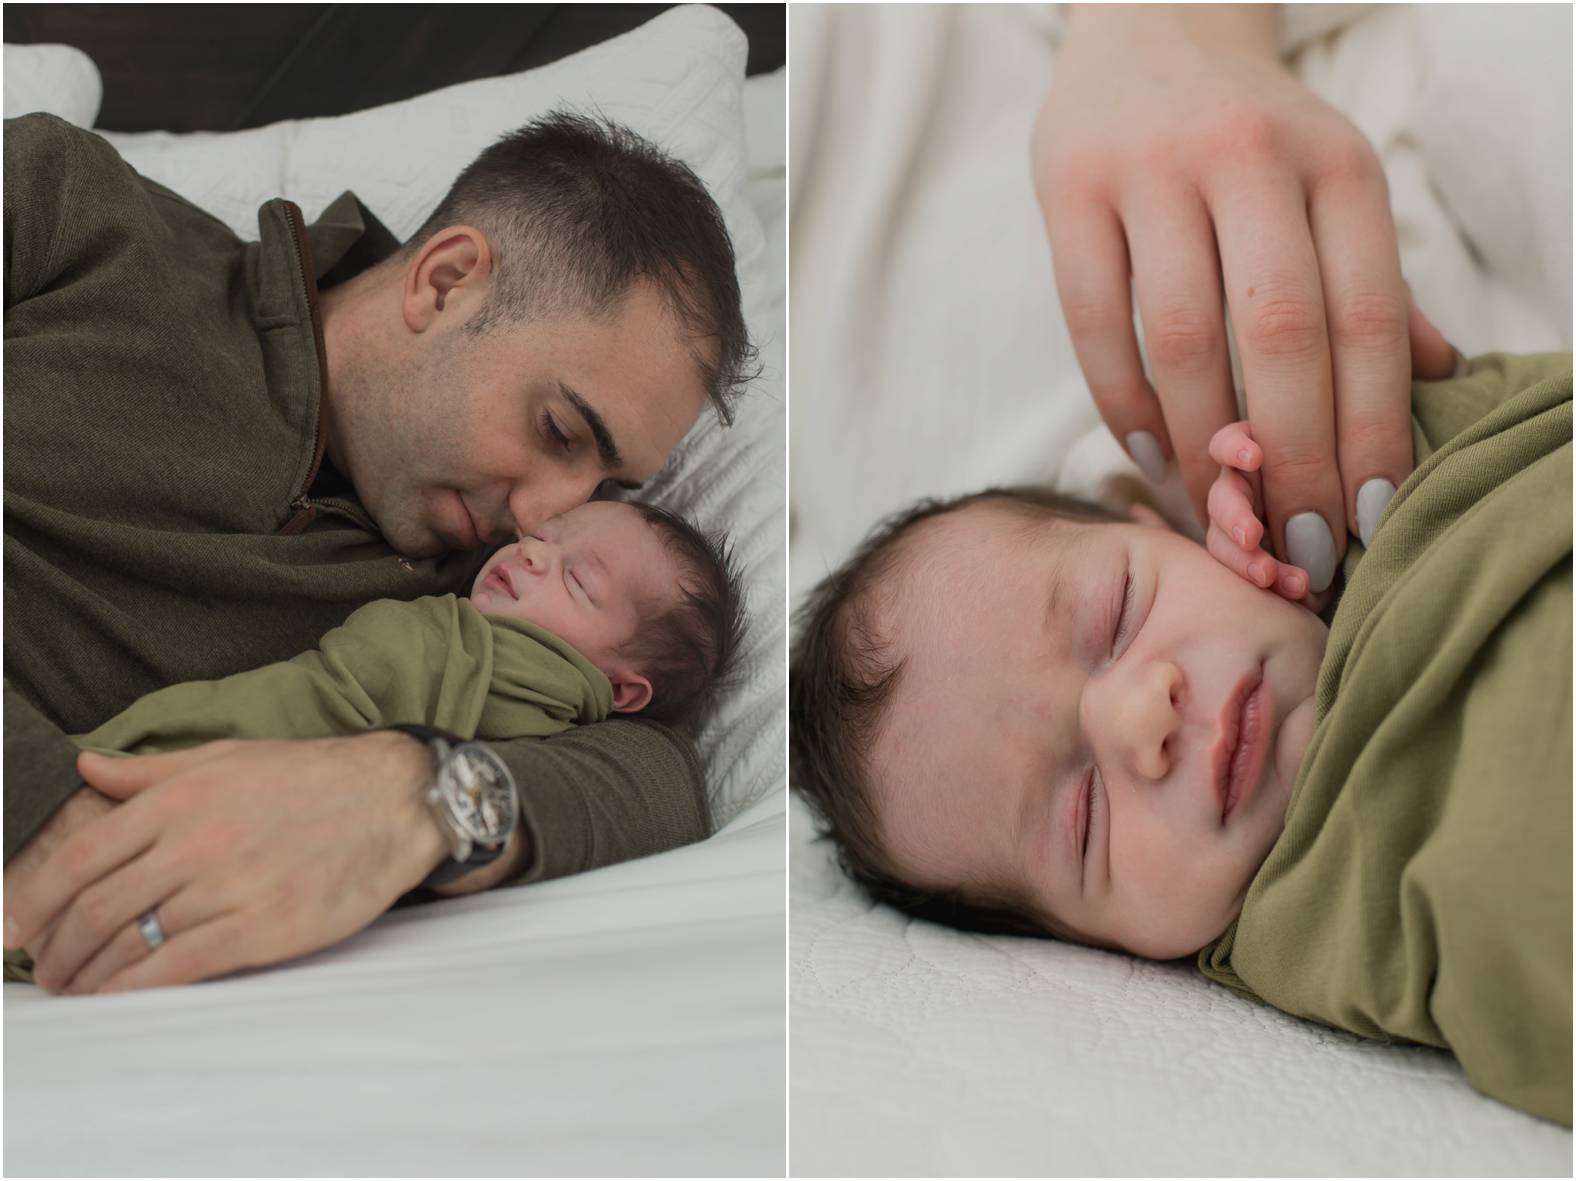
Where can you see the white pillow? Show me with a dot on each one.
(679, 81)
(54, 78)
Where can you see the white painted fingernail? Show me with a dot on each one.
(1371, 500)
(1146, 453)
(1309, 544)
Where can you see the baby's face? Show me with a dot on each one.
(589, 576)
(1034, 708)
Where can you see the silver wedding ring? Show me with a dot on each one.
(152, 931)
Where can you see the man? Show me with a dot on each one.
(216, 450)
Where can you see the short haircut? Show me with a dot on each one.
(687, 650)
(842, 673)
(578, 209)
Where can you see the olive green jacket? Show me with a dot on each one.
(168, 513)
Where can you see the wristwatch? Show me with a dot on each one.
(471, 796)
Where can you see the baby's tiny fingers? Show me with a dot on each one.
(1232, 446)
(1291, 582)
(1255, 566)
(1231, 507)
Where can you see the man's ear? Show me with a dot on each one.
(1142, 514)
(452, 269)
(631, 692)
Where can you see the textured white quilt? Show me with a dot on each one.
(929, 357)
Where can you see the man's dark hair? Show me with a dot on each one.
(687, 650)
(842, 673)
(579, 209)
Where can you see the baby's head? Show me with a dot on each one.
(979, 664)
(637, 590)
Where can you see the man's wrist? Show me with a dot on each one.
(404, 764)
(509, 865)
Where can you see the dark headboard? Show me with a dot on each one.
(223, 67)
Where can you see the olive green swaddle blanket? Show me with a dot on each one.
(1421, 889)
(435, 660)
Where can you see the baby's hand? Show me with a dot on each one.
(1235, 525)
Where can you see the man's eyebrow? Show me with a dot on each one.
(606, 449)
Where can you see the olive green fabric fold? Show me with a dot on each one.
(1421, 889)
(436, 660)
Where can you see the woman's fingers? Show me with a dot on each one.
(1176, 274)
(1089, 252)
(1276, 299)
(1368, 308)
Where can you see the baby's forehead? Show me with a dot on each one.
(941, 562)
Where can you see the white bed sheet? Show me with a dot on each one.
(930, 358)
(628, 1021)
(624, 1022)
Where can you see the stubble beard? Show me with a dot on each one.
(383, 460)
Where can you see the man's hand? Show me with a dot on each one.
(1236, 528)
(250, 852)
(1174, 148)
(81, 809)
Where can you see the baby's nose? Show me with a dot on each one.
(536, 554)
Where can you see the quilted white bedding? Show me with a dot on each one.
(628, 1021)
(929, 357)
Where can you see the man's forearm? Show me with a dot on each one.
(1248, 28)
(598, 795)
(40, 770)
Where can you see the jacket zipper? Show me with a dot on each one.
(306, 508)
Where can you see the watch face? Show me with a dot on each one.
(480, 794)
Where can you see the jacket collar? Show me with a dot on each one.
(290, 263)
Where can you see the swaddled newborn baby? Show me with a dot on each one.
(610, 607)
(1019, 711)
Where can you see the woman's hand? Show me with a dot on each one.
(1236, 528)
(1174, 147)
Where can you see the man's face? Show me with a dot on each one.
(1065, 679)
(472, 439)
(589, 576)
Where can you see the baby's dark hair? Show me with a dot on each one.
(686, 651)
(842, 673)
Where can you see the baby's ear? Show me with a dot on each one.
(631, 692)
(1142, 514)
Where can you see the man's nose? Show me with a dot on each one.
(1142, 718)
